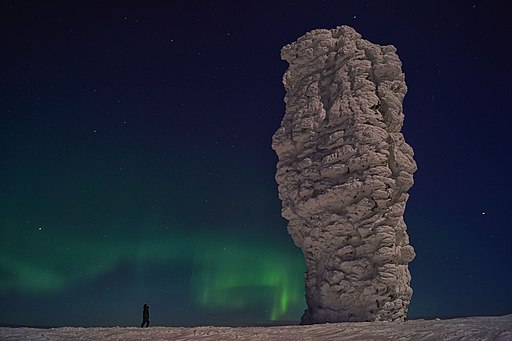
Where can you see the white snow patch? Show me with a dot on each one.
(469, 328)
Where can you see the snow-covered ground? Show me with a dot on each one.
(470, 328)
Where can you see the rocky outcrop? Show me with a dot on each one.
(343, 173)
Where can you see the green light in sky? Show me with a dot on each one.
(228, 273)
(231, 275)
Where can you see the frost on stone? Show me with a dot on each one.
(343, 173)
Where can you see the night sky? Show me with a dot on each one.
(136, 161)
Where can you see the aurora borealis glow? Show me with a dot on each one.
(50, 247)
(224, 274)
(136, 166)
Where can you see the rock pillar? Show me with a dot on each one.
(343, 174)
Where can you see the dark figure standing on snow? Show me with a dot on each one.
(145, 316)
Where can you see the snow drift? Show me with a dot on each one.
(470, 328)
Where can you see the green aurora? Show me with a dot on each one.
(63, 229)
(226, 273)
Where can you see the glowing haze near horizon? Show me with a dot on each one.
(136, 164)
(189, 243)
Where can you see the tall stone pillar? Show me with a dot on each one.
(343, 174)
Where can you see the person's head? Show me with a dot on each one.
(146, 306)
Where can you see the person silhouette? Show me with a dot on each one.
(145, 316)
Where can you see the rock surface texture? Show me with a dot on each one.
(343, 173)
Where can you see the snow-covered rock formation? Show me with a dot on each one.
(343, 174)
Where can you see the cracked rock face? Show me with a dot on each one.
(343, 173)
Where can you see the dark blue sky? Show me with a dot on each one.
(136, 162)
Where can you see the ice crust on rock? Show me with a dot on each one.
(343, 174)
